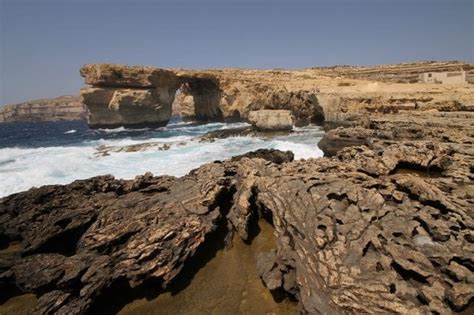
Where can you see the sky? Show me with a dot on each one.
(43, 43)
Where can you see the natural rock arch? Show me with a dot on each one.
(144, 96)
(199, 99)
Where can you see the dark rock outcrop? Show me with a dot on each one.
(272, 155)
(80, 239)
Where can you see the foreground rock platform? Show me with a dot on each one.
(386, 227)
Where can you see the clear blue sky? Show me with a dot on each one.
(44, 42)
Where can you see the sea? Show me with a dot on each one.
(33, 154)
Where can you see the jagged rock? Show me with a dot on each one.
(383, 227)
(82, 238)
(271, 119)
(357, 232)
(243, 131)
(378, 131)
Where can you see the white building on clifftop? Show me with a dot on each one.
(448, 77)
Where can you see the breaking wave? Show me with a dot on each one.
(173, 150)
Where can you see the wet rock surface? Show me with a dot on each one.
(382, 228)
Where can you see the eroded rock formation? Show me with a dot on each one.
(123, 95)
(128, 96)
(381, 228)
(383, 224)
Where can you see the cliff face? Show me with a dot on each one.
(128, 96)
(312, 95)
(55, 109)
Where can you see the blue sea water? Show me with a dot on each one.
(36, 154)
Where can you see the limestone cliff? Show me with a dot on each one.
(55, 109)
(399, 73)
(312, 95)
(128, 96)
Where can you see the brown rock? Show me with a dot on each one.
(271, 119)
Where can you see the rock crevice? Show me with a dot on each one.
(346, 241)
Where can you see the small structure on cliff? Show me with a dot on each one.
(451, 77)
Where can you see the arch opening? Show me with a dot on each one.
(198, 99)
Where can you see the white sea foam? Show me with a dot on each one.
(23, 168)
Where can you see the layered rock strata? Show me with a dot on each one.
(400, 73)
(128, 96)
(62, 108)
(382, 228)
(312, 95)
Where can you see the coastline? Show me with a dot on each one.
(399, 211)
(382, 223)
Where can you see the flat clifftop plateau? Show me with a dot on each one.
(399, 73)
(122, 95)
(54, 109)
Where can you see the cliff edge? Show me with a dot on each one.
(122, 95)
(55, 109)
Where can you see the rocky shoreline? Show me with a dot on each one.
(383, 227)
(384, 223)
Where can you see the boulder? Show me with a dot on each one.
(271, 119)
(272, 155)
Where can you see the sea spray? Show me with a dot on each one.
(49, 155)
